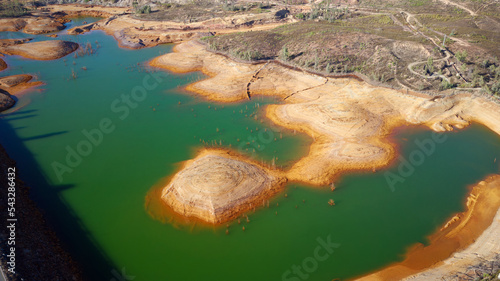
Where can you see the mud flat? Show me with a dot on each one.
(44, 50)
(218, 186)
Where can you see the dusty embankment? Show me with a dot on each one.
(3, 65)
(349, 121)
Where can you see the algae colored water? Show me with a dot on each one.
(97, 202)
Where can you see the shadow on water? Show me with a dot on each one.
(21, 117)
(75, 238)
(45, 136)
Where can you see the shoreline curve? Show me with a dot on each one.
(230, 81)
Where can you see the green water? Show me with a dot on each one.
(98, 207)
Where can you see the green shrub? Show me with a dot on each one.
(446, 85)
(12, 9)
(495, 88)
(429, 66)
(285, 54)
(461, 56)
(146, 9)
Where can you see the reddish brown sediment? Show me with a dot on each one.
(462, 230)
(218, 186)
(14, 85)
(6, 101)
(12, 24)
(78, 10)
(3, 65)
(18, 84)
(43, 50)
(134, 33)
(10, 42)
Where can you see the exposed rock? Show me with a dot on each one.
(10, 42)
(3, 65)
(81, 29)
(14, 80)
(40, 252)
(6, 101)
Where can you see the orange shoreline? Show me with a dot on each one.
(460, 231)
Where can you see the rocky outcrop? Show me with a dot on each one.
(81, 29)
(6, 101)
(10, 42)
(44, 25)
(33, 25)
(12, 24)
(3, 65)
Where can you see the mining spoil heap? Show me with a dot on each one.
(217, 186)
(43, 50)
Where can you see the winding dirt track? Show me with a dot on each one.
(434, 75)
(447, 2)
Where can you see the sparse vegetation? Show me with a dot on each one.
(461, 56)
(445, 85)
(146, 9)
(12, 9)
(429, 66)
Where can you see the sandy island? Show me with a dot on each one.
(218, 186)
(350, 121)
(44, 50)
